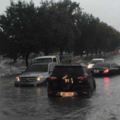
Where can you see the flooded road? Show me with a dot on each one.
(32, 103)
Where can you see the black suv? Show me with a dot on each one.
(71, 80)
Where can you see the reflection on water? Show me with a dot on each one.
(32, 103)
(29, 91)
(67, 107)
(21, 102)
(107, 82)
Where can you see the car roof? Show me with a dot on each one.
(51, 56)
(70, 65)
(98, 59)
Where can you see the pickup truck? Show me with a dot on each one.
(46, 59)
(36, 74)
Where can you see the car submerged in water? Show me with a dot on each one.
(105, 69)
(70, 80)
(35, 75)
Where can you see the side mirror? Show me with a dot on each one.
(50, 72)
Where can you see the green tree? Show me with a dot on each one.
(19, 24)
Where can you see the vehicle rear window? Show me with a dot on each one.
(70, 70)
(102, 65)
(97, 61)
(37, 68)
(42, 60)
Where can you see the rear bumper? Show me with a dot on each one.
(76, 90)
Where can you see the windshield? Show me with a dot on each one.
(37, 68)
(42, 60)
(71, 70)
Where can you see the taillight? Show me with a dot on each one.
(52, 78)
(81, 77)
(106, 71)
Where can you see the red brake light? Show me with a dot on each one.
(52, 78)
(81, 77)
(106, 71)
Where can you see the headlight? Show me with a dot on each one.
(90, 66)
(18, 78)
(39, 78)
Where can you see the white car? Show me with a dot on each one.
(94, 61)
(35, 74)
(46, 59)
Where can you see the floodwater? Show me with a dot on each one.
(32, 103)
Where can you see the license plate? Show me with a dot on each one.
(67, 94)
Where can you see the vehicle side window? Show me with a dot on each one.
(54, 59)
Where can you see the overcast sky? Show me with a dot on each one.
(107, 10)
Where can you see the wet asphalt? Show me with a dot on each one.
(32, 103)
